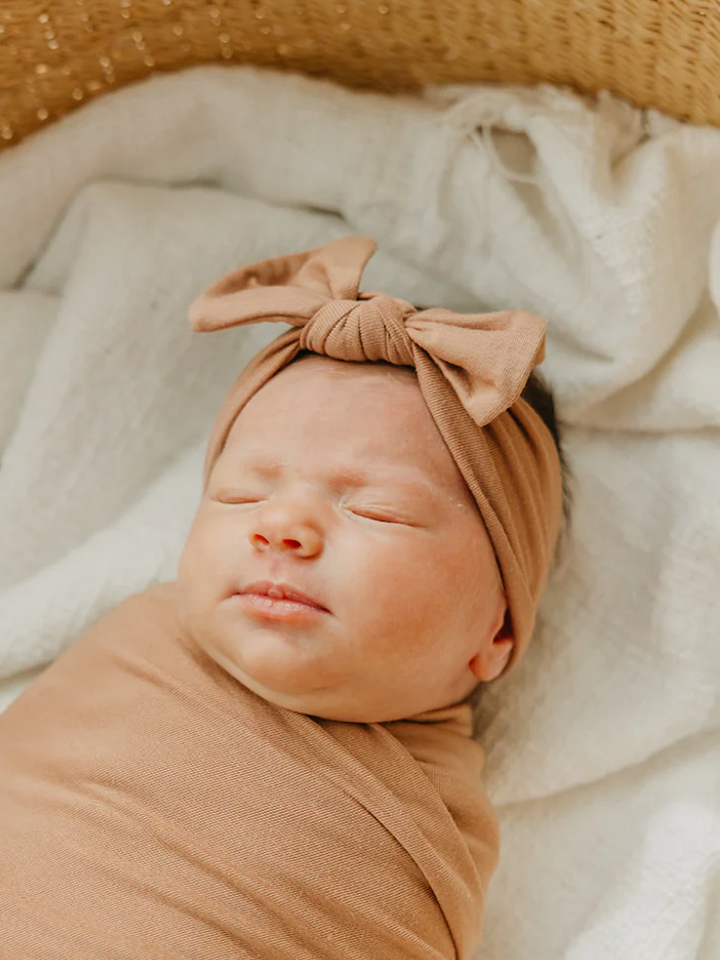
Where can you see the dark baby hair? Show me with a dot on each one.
(539, 395)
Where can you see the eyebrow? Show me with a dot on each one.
(265, 468)
(407, 477)
(352, 476)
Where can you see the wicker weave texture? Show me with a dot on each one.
(56, 54)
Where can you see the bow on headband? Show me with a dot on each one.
(471, 369)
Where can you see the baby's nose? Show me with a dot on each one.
(280, 531)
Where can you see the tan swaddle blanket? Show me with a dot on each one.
(153, 807)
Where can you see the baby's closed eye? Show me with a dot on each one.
(385, 511)
(239, 496)
(379, 514)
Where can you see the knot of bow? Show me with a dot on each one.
(369, 328)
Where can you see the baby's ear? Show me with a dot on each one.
(494, 654)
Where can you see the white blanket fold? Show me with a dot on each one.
(603, 746)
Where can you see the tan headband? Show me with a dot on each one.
(471, 369)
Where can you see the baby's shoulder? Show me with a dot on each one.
(139, 618)
(140, 629)
(156, 603)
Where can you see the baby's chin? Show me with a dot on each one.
(290, 690)
(294, 682)
(277, 666)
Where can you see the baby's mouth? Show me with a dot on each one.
(279, 601)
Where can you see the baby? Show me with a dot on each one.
(272, 757)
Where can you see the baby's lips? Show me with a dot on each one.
(282, 591)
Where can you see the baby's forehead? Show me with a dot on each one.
(358, 419)
(315, 391)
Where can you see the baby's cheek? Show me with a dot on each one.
(201, 572)
(211, 555)
(402, 600)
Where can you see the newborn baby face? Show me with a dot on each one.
(338, 565)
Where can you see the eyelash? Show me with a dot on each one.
(378, 517)
(358, 512)
(369, 516)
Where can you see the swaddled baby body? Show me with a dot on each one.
(272, 757)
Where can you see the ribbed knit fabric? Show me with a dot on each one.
(471, 369)
(154, 807)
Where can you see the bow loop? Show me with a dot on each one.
(287, 289)
(487, 358)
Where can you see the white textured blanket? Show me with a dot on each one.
(604, 745)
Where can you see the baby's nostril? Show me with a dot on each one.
(292, 544)
(260, 541)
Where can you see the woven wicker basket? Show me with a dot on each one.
(55, 54)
